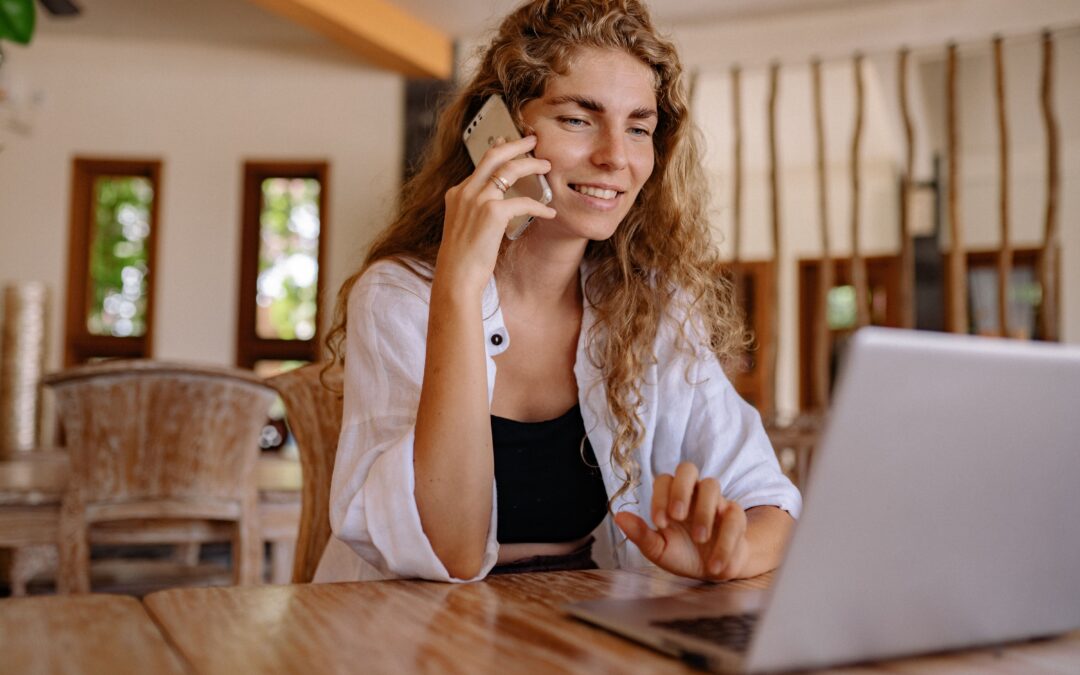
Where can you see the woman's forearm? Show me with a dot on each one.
(453, 458)
(767, 532)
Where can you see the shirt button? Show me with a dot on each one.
(496, 339)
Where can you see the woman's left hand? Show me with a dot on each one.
(698, 533)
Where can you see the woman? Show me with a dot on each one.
(501, 397)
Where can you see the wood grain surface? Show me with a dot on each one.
(511, 623)
(82, 634)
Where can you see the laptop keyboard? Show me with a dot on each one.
(731, 630)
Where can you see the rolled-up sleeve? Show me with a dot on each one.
(372, 502)
(725, 437)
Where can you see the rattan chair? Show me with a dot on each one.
(313, 412)
(160, 453)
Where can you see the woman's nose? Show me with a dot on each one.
(610, 151)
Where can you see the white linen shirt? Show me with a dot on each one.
(690, 412)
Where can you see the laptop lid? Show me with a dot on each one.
(941, 510)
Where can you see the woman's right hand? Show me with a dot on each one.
(477, 214)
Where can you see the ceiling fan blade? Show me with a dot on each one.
(60, 7)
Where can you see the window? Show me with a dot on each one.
(283, 229)
(114, 223)
(1025, 293)
(883, 279)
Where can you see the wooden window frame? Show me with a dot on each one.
(250, 348)
(79, 344)
(881, 270)
(752, 382)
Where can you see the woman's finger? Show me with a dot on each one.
(682, 491)
(732, 529)
(500, 154)
(505, 209)
(648, 541)
(661, 488)
(707, 502)
(510, 172)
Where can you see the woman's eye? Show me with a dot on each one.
(642, 133)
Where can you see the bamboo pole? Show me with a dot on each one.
(858, 263)
(773, 348)
(956, 270)
(1048, 317)
(907, 249)
(737, 164)
(1004, 260)
(822, 339)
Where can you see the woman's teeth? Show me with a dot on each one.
(595, 192)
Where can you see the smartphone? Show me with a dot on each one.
(494, 122)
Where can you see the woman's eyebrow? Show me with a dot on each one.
(593, 105)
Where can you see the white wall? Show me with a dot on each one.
(203, 110)
(879, 30)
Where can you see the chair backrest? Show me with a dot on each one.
(313, 412)
(140, 430)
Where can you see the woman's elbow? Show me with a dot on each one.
(463, 563)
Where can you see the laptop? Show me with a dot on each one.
(941, 513)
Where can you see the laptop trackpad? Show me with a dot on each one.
(716, 614)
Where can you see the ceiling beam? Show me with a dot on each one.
(376, 30)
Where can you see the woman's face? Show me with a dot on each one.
(595, 125)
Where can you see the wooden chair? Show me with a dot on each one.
(160, 453)
(313, 413)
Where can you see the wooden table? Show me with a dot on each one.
(507, 623)
(32, 485)
(82, 634)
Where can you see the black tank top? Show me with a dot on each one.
(548, 485)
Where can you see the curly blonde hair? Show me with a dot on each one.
(661, 248)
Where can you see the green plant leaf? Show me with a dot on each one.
(17, 20)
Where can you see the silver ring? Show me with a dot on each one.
(500, 183)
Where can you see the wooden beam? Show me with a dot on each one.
(376, 30)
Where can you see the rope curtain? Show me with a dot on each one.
(1004, 261)
(858, 263)
(737, 163)
(1048, 317)
(957, 319)
(907, 247)
(822, 341)
(773, 348)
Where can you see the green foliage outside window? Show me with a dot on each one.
(288, 258)
(118, 256)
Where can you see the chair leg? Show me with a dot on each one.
(248, 547)
(187, 554)
(26, 562)
(73, 574)
(281, 560)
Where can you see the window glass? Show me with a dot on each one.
(841, 308)
(287, 287)
(118, 289)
